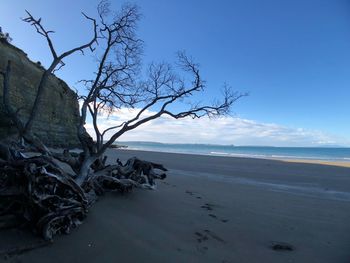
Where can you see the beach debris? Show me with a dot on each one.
(35, 190)
(39, 192)
(281, 246)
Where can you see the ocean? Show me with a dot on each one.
(312, 153)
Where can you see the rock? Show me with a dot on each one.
(57, 123)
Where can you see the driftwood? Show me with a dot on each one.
(37, 191)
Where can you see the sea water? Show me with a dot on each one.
(312, 153)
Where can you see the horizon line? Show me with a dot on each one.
(233, 145)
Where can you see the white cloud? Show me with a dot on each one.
(224, 130)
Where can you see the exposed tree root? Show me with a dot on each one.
(38, 191)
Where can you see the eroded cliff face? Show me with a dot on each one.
(59, 112)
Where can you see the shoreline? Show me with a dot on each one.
(291, 160)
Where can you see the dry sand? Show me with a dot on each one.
(212, 209)
(332, 163)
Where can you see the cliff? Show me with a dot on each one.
(57, 122)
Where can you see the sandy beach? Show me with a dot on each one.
(212, 209)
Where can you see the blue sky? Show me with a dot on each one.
(293, 57)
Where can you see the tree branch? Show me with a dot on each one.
(56, 60)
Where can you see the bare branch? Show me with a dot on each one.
(57, 60)
(165, 88)
(61, 65)
(41, 30)
(117, 82)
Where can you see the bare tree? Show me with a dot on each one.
(116, 84)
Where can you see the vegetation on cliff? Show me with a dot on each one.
(57, 124)
(4, 36)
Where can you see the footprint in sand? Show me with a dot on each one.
(209, 207)
(220, 219)
(200, 237)
(214, 236)
(212, 215)
(193, 194)
(281, 246)
(189, 192)
(204, 236)
(202, 249)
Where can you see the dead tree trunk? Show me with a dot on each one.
(37, 191)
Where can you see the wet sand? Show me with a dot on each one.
(212, 209)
